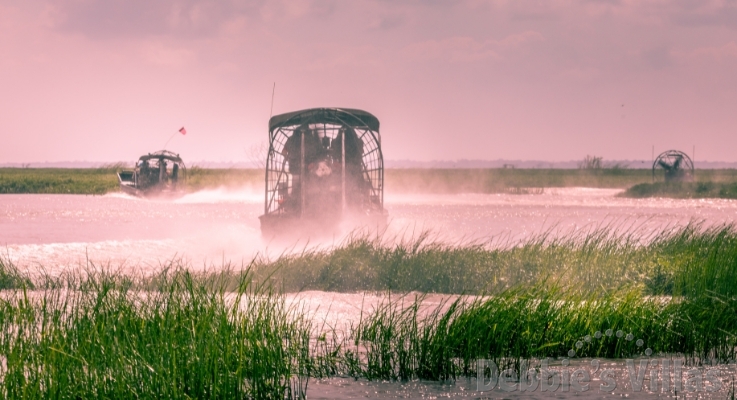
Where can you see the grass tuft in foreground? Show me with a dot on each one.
(687, 260)
(11, 277)
(405, 342)
(186, 338)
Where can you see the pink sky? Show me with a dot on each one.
(107, 80)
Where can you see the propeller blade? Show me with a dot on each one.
(665, 165)
(677, 162)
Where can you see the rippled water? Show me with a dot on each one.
(591, 385)
(55, 232)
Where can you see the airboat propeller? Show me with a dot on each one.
(677, 166)
(324, 167)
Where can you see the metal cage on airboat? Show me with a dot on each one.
(323, 165)
(677, 166)
(158, 173)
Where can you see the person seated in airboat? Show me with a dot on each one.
(159, 173)
(324, 166)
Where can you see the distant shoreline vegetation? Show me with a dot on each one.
(720, 183)
(684, 190)
(99, 181)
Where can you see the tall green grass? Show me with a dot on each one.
(399, 342)
(178, 334)
(676, 261)
(202, 178)
(11, 277)
(675, 289)
(185, 338)
(57, 180)
(188, 339)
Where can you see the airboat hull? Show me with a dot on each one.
(150, 192)
(130, 190)
(126, 179)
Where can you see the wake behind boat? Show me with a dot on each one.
(156, 174)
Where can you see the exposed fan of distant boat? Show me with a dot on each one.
(677, 166)
(678, 180)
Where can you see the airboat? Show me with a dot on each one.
(677, 166)
(155, 174)
(324, 169)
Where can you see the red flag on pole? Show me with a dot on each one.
(183, 131)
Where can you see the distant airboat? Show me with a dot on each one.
(155, 174)
(324, 166)
(677, 166)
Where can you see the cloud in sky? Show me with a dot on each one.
(109, 79)
(468, 49)
(114, 19)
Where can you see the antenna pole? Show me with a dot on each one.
(342, 161)
(266, 166)
(169, 140)
(273, 89)
(302, 175)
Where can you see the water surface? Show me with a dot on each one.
(56, 231)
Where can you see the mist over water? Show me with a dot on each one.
(508, 219)
(209, 227)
